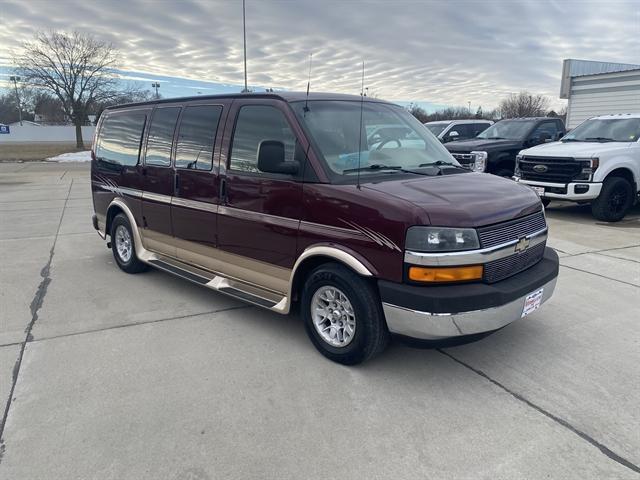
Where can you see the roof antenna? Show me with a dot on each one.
(244, 38)
(306, 101)
(360, 129)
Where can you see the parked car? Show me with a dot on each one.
(279, 200)
(598, 162)
(495, 149)
(450, 130)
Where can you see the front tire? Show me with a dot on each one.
(614, 201)
(343, 315)
(545, 202)
(123, 246)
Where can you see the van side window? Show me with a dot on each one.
(163, 126)
(197, 136)
(120, 138)
(257, 123)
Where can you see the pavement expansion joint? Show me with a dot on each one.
(603, 448)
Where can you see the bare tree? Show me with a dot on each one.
(523, 104)
(449, 113)
(76, 68)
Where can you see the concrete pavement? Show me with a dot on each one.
(114, 376)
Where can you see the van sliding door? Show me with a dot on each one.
(196, 188)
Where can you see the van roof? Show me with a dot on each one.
(285, 96)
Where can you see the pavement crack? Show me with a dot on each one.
(584, 436)
(35, 305)
(135, 324)
(598, 275)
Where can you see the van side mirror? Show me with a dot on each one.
(271, 158)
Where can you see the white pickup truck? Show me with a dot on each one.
(598, 162)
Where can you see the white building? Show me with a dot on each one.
(599, 88)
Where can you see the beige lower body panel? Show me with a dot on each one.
(251, 276)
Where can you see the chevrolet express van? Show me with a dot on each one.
(344, 208)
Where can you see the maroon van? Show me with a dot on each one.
(350, 210)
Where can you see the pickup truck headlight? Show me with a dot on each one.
(441, 239)
(589, 166)
(480, 164)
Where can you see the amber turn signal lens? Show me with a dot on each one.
(445, 274)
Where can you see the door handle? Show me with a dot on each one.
(177, 183)
(223, 190)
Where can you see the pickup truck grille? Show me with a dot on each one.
(508, 266)
(512, 230)
(465, 159)
(555, 169)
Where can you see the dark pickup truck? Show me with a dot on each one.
(495, 149)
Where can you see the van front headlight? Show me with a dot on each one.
(441, 239)
(480, 164)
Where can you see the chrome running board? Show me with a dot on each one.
(214, 281)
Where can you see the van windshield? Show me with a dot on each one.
(508, 130)
(390, 139)
(605, 130)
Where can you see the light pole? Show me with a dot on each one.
(469, 108)
(15, 81)
(156, 85)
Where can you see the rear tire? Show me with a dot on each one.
(123, 245)
(343, 315)
(614, 201)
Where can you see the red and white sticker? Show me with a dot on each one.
(532, 302)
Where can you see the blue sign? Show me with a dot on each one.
(4, 129)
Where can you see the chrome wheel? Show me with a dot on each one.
(123, 243)
(333, 316)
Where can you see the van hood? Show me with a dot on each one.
(574, 149)
(463, 200)
(464, 146)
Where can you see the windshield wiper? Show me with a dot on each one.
(600, 139)
(570, 140)
(496, 138)
(375, 166)
(440, 163)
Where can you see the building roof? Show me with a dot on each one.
(579, 68)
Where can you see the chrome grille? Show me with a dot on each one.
(508, 266)
(510, 231)
(465, 159)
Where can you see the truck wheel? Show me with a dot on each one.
(545, 202)
(343, 315)
(614, 201)
(123, 246)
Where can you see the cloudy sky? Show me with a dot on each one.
(439, 52)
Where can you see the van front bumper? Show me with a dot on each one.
(445, 311)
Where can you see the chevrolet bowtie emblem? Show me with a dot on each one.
(522, 245)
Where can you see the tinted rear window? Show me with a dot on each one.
(120, 136)
(163, 125)
(196, 137)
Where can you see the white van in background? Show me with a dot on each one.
(597, 162)
(450, 130)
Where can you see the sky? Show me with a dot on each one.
(432, 52)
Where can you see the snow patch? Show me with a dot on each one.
(72, 157)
